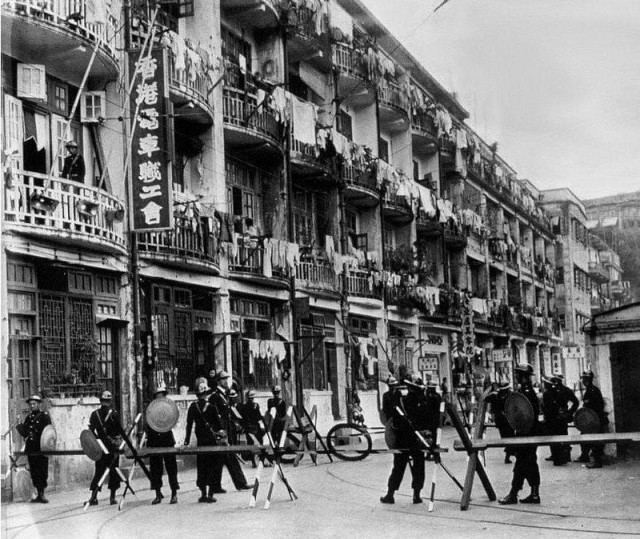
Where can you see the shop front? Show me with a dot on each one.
(433, 353)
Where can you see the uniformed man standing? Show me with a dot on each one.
(208, 428)
(593, 400)
(526, 466)
(32, 429)
(497, 400)
(280, 419)
(73, 168)
(251, 417)
(412, 404)
(105, 424)
(221, 400)
(554, 418)
(156, 462)
(566, 412)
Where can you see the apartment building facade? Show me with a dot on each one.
(321, 217)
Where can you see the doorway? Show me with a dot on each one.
(625, 373)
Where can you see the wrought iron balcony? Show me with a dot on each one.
(189, 88)
(185, 245)
(317, 275)
(245, 123)
(360, 283)
(598, 272)
(394, 107)
(249, 259)
(361, 187)
(66, 212)
(69, 38)
(397, 209)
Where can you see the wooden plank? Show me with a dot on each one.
(460, 445)
(198, 450)
(53, 453)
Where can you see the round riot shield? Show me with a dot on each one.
(162, 414)
(519, 413)
(586, 421)
(90, 445)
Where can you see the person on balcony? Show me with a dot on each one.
(73, 168)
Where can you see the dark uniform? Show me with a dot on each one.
(593, 400)
(162, 439)
(207, 422)
(497, 401)
(280, 420)
(220, 400)
(526, 466)
(415, 407)
(105, 424)
(73, 168)
(251, 417)
(34, 424)
(565, 416)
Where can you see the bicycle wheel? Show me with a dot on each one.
(349, 441)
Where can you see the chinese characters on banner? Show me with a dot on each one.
(152, 199)
(468, 330)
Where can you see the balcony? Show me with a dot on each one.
(424, 134)
(428, 227)
(308, 162)
(618, 289)
(251, 13)
(361, 187)
(189, 88)
(316, 275)
(248, 128)
(249, 264)
(182, 247)
(354, 80)
(359, 283)
(397, 209)
(61, 24)
(455, 237)
(78, 215)
(393, 106)
(598, 272)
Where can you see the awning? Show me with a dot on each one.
(610, 221)
(590, 225)
(111, 321)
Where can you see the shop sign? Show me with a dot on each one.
(429, 362)
(501, 354)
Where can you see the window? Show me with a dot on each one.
(234, 47)
(179, 8)
(32, 81)
(60, 97)
(416, 170)
(244, 193)
(344, 124)
(314, 367)
(352, 222)
(383, 150)
(60, 137)
(14, 130)
(93, 107)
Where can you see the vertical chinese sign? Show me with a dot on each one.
(152, 200)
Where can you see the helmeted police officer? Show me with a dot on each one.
(32, 429)
(526, 466)
(593, 400)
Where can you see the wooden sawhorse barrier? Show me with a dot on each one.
(476, 444)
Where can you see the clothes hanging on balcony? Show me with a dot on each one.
(340, 20)
(444, 123)
(461, 144)
(304, 121)
(96, 12)
(279, 101)
(293, 254)
(329, 246)
(194, 64)
(179, 49)
(267, 268)
(479, 305)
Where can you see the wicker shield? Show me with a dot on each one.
(23, 486)
(90, 445)
(586, 421)
(519, 412)
(162, 414)
(48, 438)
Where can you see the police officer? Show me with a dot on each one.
(279, 421)
(526, 466)
(32, 429)
(566, 412)
(593, 400)
(208, 428)
(554, 418)
(410, 399)
(497, 401)
(105, 424)
(162, 439)
(73, 168)
(221, 400)
(251, 417)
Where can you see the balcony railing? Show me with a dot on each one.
(598, 272)
(424, 124)
(354, 175)
(70, 16)
(239, 110)
(350, 61)
(316, 275)
(360, 283)
(85, 213)
(302, 20)
(390, 95)
(397, 203)
(182, 242)
(192, 81)
(249, 258)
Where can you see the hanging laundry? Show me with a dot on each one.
(304, 121)
(267, 269)
(341, 20)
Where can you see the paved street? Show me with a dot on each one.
(342, 499)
